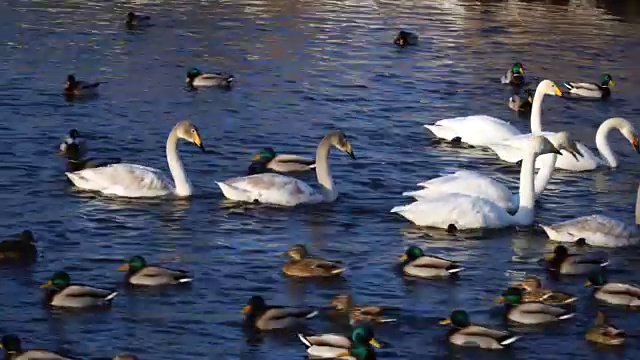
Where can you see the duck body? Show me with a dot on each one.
(135, 21)
(405, 38)
(576, 264)
(603, 332)
(268, 160)
(76, 87)
(534, 292)
(21, 249)
(537, 313)
(270, 317)
(359, 313)
(304, 265)
(74, 162)
(463, 333)
(12, 346)
(591, 90)
(521, 103)
(596, 230)
(65, 294)
(615, 293)
(139, 273)
(335, 346)
(197, 78)
(417, 264)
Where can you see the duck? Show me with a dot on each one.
(534, 292)
(134, 20)
(125, 357)
(603, 332)
(196, 79)
(140, 273)
(465, 334)
(76, 87)
(21, 249)
(530, 313)
(65, 294)
(332, 346)
(592, 90)
(302, 264)
(12, 346)
(269, 317)
(72, 137)
(561, 261)
(615, 293)
(268, 159)
(521, 104)
(484, 130)
(405, 38)
(417, 264)
(282, 190)
(515, 75)
(74, 161)
(358, 313)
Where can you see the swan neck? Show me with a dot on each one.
(182, 184)
(544, 173)
(536, 111)
(322, 169)
(525, 213)
(638, 207)
(602, 143)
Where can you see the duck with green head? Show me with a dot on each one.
(12, 346)
(405, 38)
(515, 75)
(465, 334)
(417, 264)
(535, 292)
(592, 90)
(530, 313)
(196, 79)
(303, 264)
(269, 317)
(21, 249)
(65, 294)
(561, 261)
(75, 87)
(268, 160)
(140, 273)
(616, 293)
(330, 346)
(522, 103)
(72, 152)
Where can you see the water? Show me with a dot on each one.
(302, 69)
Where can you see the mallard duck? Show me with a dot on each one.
(531, 312)
(74, 137)
(465, 334)
(21, 249)
(515, 75)
(417, 264)
(592, 90)
(267, 159)
(534, 292)
(126, 357)
(524, 103)
(74, 161)
(614, 293)
(331, 346)
(80, 88)
(12, 346)
(405, 38)
(269, 317)
(65, 294)
(305, 265)
(196, 78)
(134, 20)
(603, 332)
(575, 264)
(139, 273)
(358, 313)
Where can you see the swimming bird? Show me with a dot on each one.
(140, 273)
(358, 313)
(302, 264)
(604, 333)
(465, 334)
(126, 357)
(196, 79)
(616, 293)
(592, 90)
(521, 103)
(530, 312)
(515, 75)
(21, 249)
(65, 294)
(335, 346)
(268, 317)
(74, 137)
(416, 263)
(12, 346)
(76, 87)
(134, 20)
(561, 261)
(268, 159)
(535, 292)
(405, 38)
(74, 161)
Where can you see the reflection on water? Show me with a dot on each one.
(302, 69)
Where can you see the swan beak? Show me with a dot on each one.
(46, 285)
(574, 151)
(635, 144)
(403, 257)
(556, 151)
(500, 300)
(445, 321)
(375, 343)
(124, 267)
(557, 91)
(247, 309)
(198, 141)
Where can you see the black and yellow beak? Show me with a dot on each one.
(124, 267)
(48, 284)
(247, 309)
(349, 151)
(198, 141)
(445, 321)
(635, 144)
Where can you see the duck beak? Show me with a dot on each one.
(375, 343)
(635, 144)
(530, 99)
(445, 321)
(255, 157)
(403, 257)
(343, 354)
(198, 141)
(46, 285)
(124, 267)
(247, 309)
(500, 300)
(611, 83)
(588, 283)
(521, 71)
(548, 257)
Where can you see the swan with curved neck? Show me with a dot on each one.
(461, 212)
(283, 190)
(483, 130)
(130, 180)
(476, 184)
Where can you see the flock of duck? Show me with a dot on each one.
(460, 201)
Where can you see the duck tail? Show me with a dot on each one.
(454, 268)
(568, 85)
(230, 79)
(338, 271)
(185, 280)
(386, 320)
(304, 340)
(111, 296)
(510, 340)
(605, 263)
(566, 316)
(312, 314)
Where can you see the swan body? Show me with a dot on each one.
(470, 212)
(130, 180)
(482, 130)
(283, 190)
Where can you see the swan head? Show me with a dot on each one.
(627, 129)
(412, 253)
(540, 145)
(339, 140)
(189, 132)
(297, 252)
(607, 80)
(562, 141)
(530, 283)
(548, 87)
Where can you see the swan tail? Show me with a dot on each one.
(234, 193)
(398, 209)
(415, 193)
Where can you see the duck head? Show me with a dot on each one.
(459, 319)
(135, 264)
(607, 80)
(58, 281)
(412, 253)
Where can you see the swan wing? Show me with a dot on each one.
(597, 230)
(123, 179)
(512, 149)
(269, 189)
(478, 130)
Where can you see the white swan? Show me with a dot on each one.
(288, 191)
(460, 212)
(597, 230)
(131, 180)
(507, 148)
(475, 184)
(482, 130)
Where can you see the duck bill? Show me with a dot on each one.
(247, 309)
(255, 157)
(46, 285)
(343, 354)
(500, 300)
(612, 83)
(403, 257)
(548, 258)
(124, 267)
(588, 284)
(375, 343)
(445, 321)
